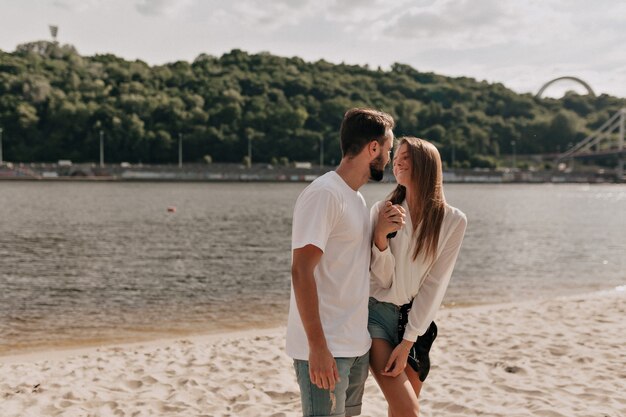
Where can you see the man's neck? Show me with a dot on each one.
(354, 172)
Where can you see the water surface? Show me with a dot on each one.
(106, 262)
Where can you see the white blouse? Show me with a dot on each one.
(396, 278)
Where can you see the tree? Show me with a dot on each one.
(52, 99)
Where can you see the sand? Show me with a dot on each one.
(560, 357)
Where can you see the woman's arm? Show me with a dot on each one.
(431, 293)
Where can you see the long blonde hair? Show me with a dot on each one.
(427, 201)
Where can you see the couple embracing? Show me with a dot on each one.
(367, 284)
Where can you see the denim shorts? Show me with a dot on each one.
(347, 397)
(383, 321)
(383, 324)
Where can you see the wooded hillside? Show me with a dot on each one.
(54, 102)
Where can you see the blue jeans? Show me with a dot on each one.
(345, 400)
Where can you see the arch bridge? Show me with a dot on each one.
(570, 78)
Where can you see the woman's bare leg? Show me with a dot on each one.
(398, 391)
(414, 379)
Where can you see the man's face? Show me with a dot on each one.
(378, 164)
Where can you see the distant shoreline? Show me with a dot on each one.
(267, 173)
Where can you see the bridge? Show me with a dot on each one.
(570, 78)
(607, 140)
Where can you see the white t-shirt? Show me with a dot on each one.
(397, 278)
(332, 216)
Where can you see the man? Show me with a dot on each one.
(327, 327)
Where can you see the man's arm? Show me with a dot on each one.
(322, 366)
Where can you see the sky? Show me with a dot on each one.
(519, 43)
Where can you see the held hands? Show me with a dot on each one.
(391, 218)
(323, 369)
(398, 359)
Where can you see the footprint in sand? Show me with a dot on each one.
(282, 396)
(66, 404)
(170, 409)
(69, 396)
(50, 410)
(515, 370)
(149, 380)
(182, 382)
(133, 384)
(558, 350)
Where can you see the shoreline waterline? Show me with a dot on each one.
(56, 353)
(64, 348)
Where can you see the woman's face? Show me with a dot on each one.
(402, 165)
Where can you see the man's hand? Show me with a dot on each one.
(323, 368)
(391, 218)
(398, 359)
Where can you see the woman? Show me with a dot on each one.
(410, 272)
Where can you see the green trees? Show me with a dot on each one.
(54, 102)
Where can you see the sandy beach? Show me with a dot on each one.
(559, 357)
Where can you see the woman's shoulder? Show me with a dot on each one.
(453, 215)
(376, 206)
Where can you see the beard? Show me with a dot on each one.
(377, 169)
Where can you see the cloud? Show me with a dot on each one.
(161, 7)
(76, 5)
(349, 13)
(448, 22)
(471, 23)
(61, 4)
(277, 13)
(369, 11)
(144, 7)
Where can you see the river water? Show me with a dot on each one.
(85, 263)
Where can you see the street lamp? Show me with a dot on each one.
(250, 149)
(513, 145)
(180, 150)
(321, 151)
(569, 146)
(101, 148)
(453, 153)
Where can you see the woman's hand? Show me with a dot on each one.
(398, 359)
(390, 219)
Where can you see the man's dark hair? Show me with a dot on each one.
(361, 126)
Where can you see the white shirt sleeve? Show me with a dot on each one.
(431, 293)
(383, 263)
(315, 215)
